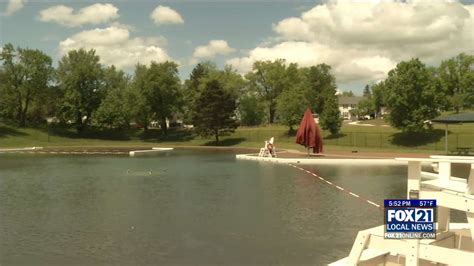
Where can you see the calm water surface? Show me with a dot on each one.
(188, 207)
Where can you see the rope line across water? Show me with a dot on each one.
(348, 192)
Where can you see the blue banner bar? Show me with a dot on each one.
(407, 203)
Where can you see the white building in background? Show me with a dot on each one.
(348, 103)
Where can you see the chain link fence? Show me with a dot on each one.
(423, 141)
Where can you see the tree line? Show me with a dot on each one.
(81, 92)
(414, 93)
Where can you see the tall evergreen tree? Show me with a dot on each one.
(191, 87)
(214, 113)
(367, 92)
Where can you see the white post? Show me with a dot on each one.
(470, 213)
(470, 222)
(444, 217)
(413, 252)
(444, 171)
(358, 247)
(470, 181)
(414, 176)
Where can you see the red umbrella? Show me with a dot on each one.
(308, 133)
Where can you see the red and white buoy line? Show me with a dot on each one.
(338, 187)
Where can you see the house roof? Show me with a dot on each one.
(457, 118)
(350, 99)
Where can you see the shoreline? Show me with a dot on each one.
(283, 153)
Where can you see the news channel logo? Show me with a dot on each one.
(410, 218)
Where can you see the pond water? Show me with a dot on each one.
(186, 207)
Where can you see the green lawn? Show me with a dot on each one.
(352, 137)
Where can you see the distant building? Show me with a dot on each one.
(384, 111)
(348, 103)
(175, 122)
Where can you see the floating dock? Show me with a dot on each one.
(319, 160)
(21, 149)
(153, 151)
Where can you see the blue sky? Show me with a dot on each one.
(361, 41)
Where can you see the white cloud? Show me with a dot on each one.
(166, 15)
(363, 40)
(14, 6)
(115, 47)
(93, 14)
(213, 48)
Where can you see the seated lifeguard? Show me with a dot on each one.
(268, 150)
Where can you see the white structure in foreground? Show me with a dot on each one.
(454, 243)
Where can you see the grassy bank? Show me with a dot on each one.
(379, 137)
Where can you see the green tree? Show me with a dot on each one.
(348, 93)
(115, 111)
(252, 112)
(6, 108)
(269, 79)
(214, 113)
(367, 92)
(366, 107)
(291, 105)
(231, 81)
(141, 111)
(457, 79)
(164, 91)
(330, 118)
(200, 71)
(321, 84)
(80, 77)
(378, 97)
(412, 95)
(26, 77)
(192, 86)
